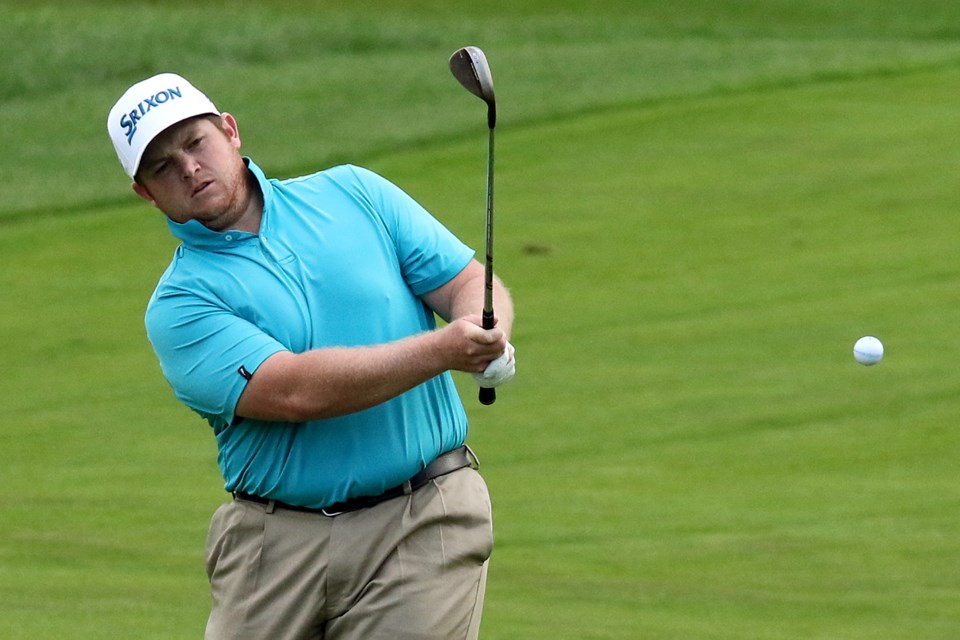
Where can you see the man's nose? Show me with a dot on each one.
(188, 166)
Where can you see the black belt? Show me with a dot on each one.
(444, 464)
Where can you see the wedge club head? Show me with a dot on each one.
(470, 68)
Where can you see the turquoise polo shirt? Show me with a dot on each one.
(341, 259)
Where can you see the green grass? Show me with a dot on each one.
(701, 206)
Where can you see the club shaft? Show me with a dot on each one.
(488, 274)
(488, 395)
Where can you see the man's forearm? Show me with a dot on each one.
(469, 300)
(324, 383)
(463, 296)
(330, 382)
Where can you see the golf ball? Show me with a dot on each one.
(868, 350)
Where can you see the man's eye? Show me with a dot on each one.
(196, 142)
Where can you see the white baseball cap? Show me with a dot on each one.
(149, 107)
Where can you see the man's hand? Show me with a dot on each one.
(467, 346)
(500, 371)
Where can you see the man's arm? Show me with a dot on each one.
(324, 383)
(463, 296)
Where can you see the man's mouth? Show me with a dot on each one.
(201, 187)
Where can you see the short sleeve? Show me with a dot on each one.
(206, 352)
(430, 255)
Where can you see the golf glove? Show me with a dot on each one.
(499, 371)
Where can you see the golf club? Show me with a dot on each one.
(470, 68)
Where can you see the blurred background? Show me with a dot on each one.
(700, 207)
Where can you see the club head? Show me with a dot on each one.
(470, 68)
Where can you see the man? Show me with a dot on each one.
(297, 317)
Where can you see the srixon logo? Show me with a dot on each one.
(129, 120)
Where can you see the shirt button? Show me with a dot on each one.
(228, 238)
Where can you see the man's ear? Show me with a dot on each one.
(231, 129)
(141, 191)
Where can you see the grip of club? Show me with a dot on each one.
(487, 395)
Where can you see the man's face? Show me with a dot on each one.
(194, 171)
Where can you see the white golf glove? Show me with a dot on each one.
(499, 371)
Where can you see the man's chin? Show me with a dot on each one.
(217, 220)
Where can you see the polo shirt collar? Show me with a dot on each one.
(194, 234)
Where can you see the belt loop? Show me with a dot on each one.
(271, 506)
(474, 460)
(407, 488)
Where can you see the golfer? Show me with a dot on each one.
(298, 318)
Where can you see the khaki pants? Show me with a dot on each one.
(413, 567)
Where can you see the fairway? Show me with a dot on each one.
(721, 462)
(699, 210)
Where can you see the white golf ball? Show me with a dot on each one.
(868, 350)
